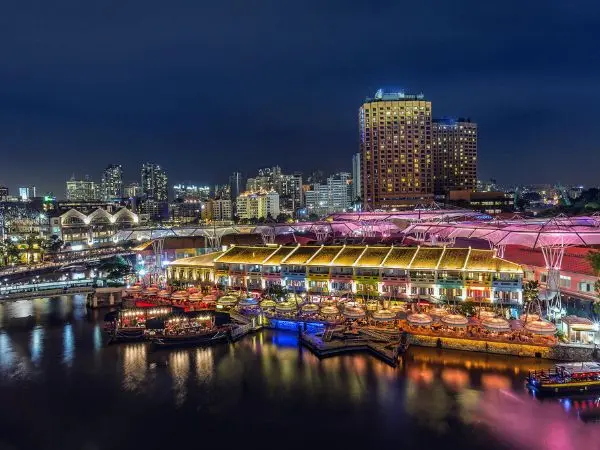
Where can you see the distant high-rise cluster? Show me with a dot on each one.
(287, 186)
(333, 196)
(406, 156)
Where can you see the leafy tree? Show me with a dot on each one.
(531, 290)
(277, 290)
(596, 303)
(53, 244)
(467, 308)
(282, 218)
(115, 268)
(594, 260)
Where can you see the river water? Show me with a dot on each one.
(61, 387)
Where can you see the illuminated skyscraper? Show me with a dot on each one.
(154, 183)
(82, 190)
(395, 147)
(454, 146)
(155, 192)
(112, 182)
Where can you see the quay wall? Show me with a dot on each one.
(558, 352)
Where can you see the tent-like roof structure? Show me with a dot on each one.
(533, 233)
(407, 258)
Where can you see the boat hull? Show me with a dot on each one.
(189, 341)
(564, 388)
(130, 335)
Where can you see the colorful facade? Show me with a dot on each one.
(401, 273)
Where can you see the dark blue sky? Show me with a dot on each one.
(204, 88)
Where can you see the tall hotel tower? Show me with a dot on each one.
(395, 148)
(454, 155)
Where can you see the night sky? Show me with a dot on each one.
(205, 88)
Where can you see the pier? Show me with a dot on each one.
(323, 348)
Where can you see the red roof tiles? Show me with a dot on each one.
(574, 261)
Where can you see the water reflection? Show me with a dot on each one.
(68, 345)
(267, 380)
(134, 366)
(97, 338)
(37, 344)
(204, 364)
(179, 367)
(6, 353)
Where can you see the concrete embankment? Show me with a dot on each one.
(557, 352)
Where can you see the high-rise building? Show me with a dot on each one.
(3, 193)
(258, 205)
(335, 196)
(132, 190)
(112, 182)
(291, 196)
(395, 147)
(454, 144)
(26, 193)
(356, 177)
(84, 190)
(155, 192)
(220, 209)
(154, 183)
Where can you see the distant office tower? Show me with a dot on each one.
(257, 206)
(236, 185)
(454, 144)
(335, 196)
(132, 190)
(3, 193)
(154, 183)
(82, 190)
(26, 193)
(356, 177)
(112, 182)
(395, 147)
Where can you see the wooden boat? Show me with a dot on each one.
(190, 338)
(188, 329)
(566, 378)
(129, 324)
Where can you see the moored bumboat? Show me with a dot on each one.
(189, 329)
(566, 378)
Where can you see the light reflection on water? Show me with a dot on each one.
(37, 344)
(68, 344)
(267, 379)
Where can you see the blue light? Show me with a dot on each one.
(285, 340)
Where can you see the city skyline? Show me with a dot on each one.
(75, 104)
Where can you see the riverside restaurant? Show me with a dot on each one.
(397, 273)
